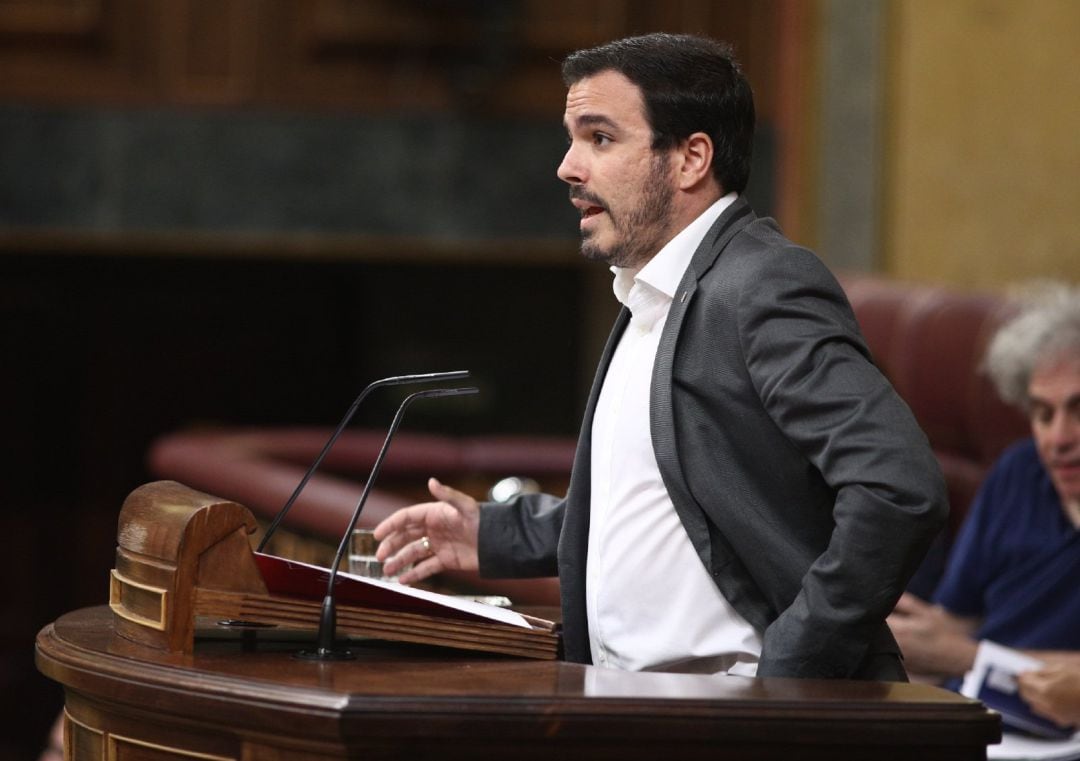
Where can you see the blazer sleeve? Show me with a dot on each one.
(520, 539)
(815, 379)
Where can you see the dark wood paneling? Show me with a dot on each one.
(79, 50)
(209, 50)
(373, 56)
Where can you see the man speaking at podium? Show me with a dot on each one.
(749, 495)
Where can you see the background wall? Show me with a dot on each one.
(983, 159)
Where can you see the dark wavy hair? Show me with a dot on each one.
(689, 84)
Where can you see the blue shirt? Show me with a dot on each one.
(1016, 561)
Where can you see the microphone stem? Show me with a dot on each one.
(391, 381)
(328, 619)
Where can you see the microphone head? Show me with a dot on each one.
(461, 391)
(422, 378)
(433, 392)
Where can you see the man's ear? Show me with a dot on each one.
(694, 166)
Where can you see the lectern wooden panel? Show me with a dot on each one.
(182, 554)
(245, 696)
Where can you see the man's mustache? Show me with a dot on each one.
(579, 193)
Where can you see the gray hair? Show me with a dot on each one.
(1046, 328)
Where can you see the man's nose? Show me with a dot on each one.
(571, 169)
(1063, 431)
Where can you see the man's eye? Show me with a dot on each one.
(599, 138)
(1041, 414)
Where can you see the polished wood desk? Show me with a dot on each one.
(246, 697)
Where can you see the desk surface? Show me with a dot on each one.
(247, 696)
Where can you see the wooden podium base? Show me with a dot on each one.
(244, 696)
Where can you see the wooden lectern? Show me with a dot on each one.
(148, 678)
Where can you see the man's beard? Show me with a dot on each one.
(640, 231)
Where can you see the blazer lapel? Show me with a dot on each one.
(662, 421)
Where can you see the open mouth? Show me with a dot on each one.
(587, 204)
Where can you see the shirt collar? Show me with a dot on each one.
(649, 292)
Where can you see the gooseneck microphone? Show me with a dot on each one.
(395, 380)
(325, 644)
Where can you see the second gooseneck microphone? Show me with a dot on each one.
(396, 380)
(326, 648)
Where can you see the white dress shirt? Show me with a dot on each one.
(651, 603)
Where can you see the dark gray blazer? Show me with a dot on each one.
(803, 481)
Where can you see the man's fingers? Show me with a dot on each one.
(415, 551)
(462, 502)
(404, 526)
(909, 604)
(429, 566)
(1034, 688)
(450, 495)
(390, 524)
(401, 535)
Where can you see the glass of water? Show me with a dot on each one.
(362, 549)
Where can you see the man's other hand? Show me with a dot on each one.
(432, 536)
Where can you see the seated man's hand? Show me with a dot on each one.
(432, 536)
(933, 641)
(1068, 659)
(1054, 692)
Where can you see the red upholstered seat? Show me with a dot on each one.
(929, 341)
